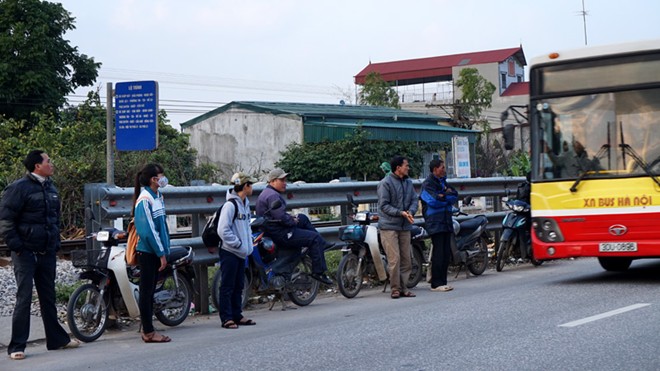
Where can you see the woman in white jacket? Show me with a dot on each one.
(234, 231)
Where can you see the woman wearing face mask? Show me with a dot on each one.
(154, 244)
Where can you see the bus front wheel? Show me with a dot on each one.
(615, 264)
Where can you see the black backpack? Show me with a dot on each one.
(210, 233)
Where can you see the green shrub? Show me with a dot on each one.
(63, 292)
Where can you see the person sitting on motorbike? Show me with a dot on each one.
(291, 231)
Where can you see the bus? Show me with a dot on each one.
(594, 117)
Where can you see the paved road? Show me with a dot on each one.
(565, 315)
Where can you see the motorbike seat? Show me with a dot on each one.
(470, 225)
(176, 253)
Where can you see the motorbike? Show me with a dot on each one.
(273, 270)
(469, 242)
(112, 292)
(364, 256)
(515, 242)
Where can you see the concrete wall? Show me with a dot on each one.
(243, 140)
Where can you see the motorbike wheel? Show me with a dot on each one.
(349, 275)
(305, 288)
(175, 316)
(535, 262)
(215, 290)
(480, 261)
(86, 322)
(503, 253)
(417, 261)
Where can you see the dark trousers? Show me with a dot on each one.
(149, 264)
(29, 266)
(305, 235)
(230, 298)
(440, 258)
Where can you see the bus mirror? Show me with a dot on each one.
(507, 132)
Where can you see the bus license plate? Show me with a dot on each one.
(617, 247)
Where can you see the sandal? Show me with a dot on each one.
(443, 288)
(230, 324)
(17, 356)
(395, 294)
(151, 338)
(408, 294)
(246, 322)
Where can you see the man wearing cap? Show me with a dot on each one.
(291, 232)
(234, 231)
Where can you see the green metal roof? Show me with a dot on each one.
(401, 130)
(315, 110)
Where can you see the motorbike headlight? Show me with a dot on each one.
(360, 217)
(102, 236)
(518, 208)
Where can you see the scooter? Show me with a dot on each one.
(365, 257)
(272, 270)
(469, 242)
(515, 243)
(114, 292)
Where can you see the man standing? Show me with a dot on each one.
(437, 200)
(30, 226)
(397, 203)
(291, 232)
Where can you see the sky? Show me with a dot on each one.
(206, 53)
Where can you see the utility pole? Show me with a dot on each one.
(584, 14)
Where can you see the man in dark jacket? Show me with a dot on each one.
(30, 226)
(291, 232)
(397, 204)
(437, 202)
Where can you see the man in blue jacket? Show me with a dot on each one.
(30, 226)
(437, 202)
(291, 232)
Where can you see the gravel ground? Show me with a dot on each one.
(66, 274)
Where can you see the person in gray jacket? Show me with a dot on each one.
(234, 231)
(397, 203)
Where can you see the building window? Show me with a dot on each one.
(503, 80)
(519, 78)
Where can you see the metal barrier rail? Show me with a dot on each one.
(105, 203)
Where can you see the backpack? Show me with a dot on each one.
(132, 240)
(131, 244)
(210, 233)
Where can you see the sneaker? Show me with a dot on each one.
(322, 277)
(71, 345)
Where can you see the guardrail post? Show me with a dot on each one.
(201, 270)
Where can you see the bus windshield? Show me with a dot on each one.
(608, 134)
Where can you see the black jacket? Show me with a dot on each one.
(30, 215)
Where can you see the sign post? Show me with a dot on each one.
(136, 115)
(461, 153)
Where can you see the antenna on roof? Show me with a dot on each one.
(584, 15)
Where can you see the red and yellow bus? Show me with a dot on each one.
(594, 119)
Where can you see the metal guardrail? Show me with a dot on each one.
(105, 203)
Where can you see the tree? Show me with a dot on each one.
(476, 95)
(38, 67)
(377, 92)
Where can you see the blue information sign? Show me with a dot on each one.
(136, 115)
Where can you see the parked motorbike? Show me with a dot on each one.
(469, 242)
(113, 291)
(364, 256)
(515, 243)
(273, 270)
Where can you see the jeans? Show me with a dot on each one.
(29, 266)
(304, 235)
(399, 262)
(149, 264)
(230, 297)
(440, 258)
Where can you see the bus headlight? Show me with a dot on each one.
(547, 230)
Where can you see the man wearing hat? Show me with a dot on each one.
(234, 231)
(292, 232)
